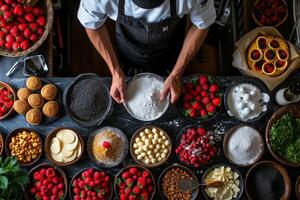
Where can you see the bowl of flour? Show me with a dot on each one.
(143, 97)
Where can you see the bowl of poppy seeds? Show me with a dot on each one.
(87, 100)
(267, 180)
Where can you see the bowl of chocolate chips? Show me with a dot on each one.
(87, 100)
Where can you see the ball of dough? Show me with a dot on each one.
(49, 92)
(36, 101)
(51, 109)
(23, 94)
(33, 83)
(21, 107)
(34, 116)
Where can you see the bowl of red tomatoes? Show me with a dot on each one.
(24, 25)
(196, 146)
(201, 98)
(7, 99)
(269, 12)
(47, 182)
(134, 182)
(91, 183)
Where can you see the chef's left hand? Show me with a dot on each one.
(172, 85)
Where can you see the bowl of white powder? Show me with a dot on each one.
(247, 100)
(243, 145)
(143, 97)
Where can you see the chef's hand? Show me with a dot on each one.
(172, 85)
(118, 85)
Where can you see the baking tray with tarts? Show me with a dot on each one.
(268, 55)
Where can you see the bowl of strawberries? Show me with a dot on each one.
(201, 98)
(134, 182)
(47, 182)
(7, 99)
(270, 12)
(24, 25)
(196, 146)
(91, 183)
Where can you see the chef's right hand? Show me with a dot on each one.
(118, 86)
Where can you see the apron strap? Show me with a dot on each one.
(173, 10)
(121, 7)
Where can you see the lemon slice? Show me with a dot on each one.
(57, 157)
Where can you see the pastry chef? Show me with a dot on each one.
(150, 37)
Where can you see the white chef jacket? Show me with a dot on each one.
(92, 14)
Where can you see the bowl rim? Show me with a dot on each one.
(13, 91)
(276, 166)
(132, 150)
(147, 75)
(58, 169)
(177, 142)
(176, 165)
(257, 83)
(216, 114)
(139, 167)
(96, 132)
(95, 169)
(2, 141)
(226, 140)
(13, 133)
(279, 113)
(297, 187)
(276, 25)
(87, 123)
(241, 178)
(47, 142)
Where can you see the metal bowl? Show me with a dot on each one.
(116, 131)
(167, 102)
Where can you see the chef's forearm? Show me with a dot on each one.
(193, 41)
(101, 40)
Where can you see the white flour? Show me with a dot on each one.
(143, 98)
(244, 146)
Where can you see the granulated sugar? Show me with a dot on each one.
(143, 98)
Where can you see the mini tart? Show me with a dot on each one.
(281, 65)
(34, 116)
(282, 54)
(262, 42)
(255, 54)
(269, 69)
(269, 55)
(274, 43)
(257, 66)
(33, 83)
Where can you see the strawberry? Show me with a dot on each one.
(29, 17)
(206, 100)
(27, 33)
(211, 108)
(205, 87)
(126, 175)
(216, 101)
(145, 174)
(197, 105)
(214, 88)
(129, 182)
(204, 94)
(16, 46)
(199, 88)
(187, 106)
(198, 98)
(192, 113)
(14, 31)
(33, 26)
(25, 45)
(201, 131)
(8, 16)
(203, 80)
(22, 26)
(18, 10)
(187, 97)
(4, 8)
(41, 20)
(203, 113)
(136, 190)
(133, 170)
(37, 11)
(10, 38)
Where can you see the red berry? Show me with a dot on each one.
(41, 21)
(29, 17)
(214, 88)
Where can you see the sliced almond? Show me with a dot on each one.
(57, 157)
(68, 137)
(71, 158)
(55, 147)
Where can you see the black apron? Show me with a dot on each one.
(150, 47)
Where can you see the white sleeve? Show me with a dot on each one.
(91, 14)
(202, 13)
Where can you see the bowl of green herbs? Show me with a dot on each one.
(283, 135)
